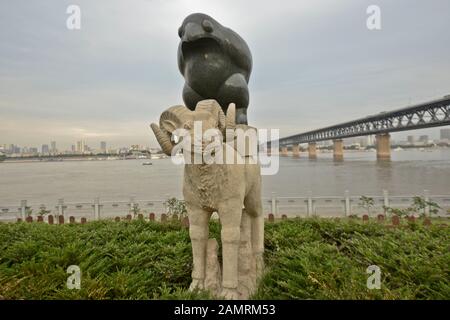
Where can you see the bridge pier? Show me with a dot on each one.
(338, 150)
(296, 151)
(312, 153)
(284, 151)
(383, 146)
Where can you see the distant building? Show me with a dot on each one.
(370, 140)
(445, 134)
(81, 146)
(33, 150)
(73, 149)
(411, 140)
(53, 146)
(135, 147)
(45, 149)
(424, 139)
(103, 146)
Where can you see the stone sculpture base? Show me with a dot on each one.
(250, 267)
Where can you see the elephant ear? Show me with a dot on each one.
(213, 107)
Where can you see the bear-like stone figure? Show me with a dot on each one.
(216, 64)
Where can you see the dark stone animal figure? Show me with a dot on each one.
(216, 64)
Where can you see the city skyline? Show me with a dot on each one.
(82, 145)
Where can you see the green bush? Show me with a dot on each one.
(305, 259)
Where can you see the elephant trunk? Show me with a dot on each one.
(163, 139)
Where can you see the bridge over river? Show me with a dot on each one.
(424, 115)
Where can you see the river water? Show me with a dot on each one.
(409, 172)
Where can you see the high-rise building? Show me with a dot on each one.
(53, 146)
(14, 149)
(45, 149)
(81, 146)
(445, 134)
(73, 149)
(370, 140)
(103, 146)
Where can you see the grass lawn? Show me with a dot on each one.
(305, 259)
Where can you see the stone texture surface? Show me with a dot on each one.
(214, 69)
(383, 145)
(213, 274)
(246, 262)
(221, 188)
(312, 150)
(338, 149)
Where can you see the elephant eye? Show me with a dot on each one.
(180, 31)
(207, 26)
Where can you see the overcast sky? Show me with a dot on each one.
(315, 64)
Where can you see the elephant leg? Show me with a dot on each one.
(235, 90)
(190, 97)
(198, 232)
(230, 217)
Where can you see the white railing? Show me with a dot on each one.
(302, 206)
(346, 205)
